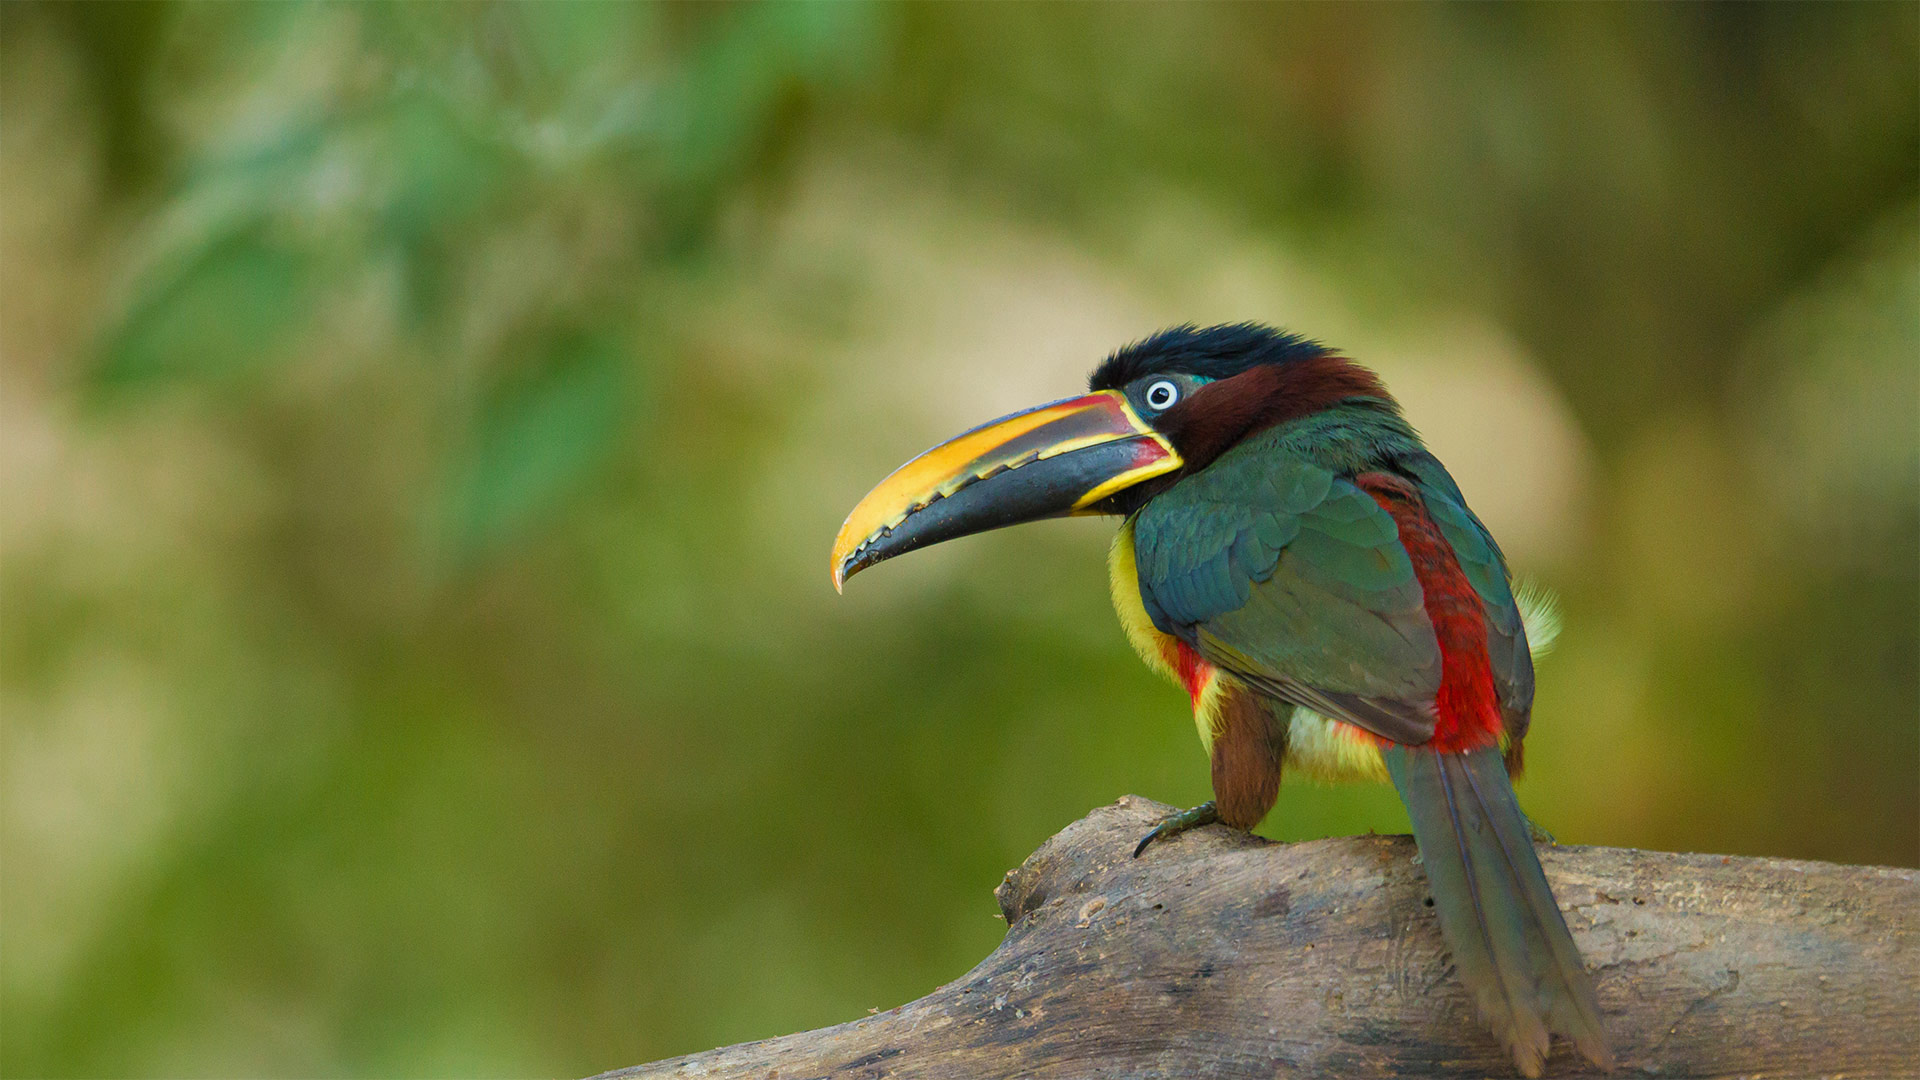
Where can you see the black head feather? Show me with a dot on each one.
(1211, 352)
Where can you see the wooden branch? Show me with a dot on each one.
(1223, 955)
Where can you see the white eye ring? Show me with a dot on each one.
(1161, 395)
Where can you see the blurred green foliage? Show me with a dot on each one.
(423, 427)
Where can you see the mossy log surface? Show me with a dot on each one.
(1223, 955)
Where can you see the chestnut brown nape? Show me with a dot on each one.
(1220, 414)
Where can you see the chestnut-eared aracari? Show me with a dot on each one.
(1297, 560)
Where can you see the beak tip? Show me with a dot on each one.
(837, 568)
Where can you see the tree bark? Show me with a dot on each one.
(1219, 954)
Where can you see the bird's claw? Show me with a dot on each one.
(1539, 835)
(1175, 824)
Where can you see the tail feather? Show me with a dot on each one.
(1509, 942)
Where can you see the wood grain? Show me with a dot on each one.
(1223, 955)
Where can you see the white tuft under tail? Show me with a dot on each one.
(1539, 613)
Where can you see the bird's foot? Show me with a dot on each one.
(1175, 824)
(1540, 835)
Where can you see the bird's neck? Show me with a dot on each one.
(1226, 413)
(1330, 411)
(1349, 438)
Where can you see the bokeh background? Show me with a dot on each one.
(423, 426)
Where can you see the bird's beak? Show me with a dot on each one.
(1051, 461)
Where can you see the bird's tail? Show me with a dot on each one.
(1509, 942)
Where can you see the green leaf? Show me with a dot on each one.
(444, 172)
(227, 312)
(537, 439)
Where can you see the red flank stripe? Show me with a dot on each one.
(1468, 708)
(1186, 663)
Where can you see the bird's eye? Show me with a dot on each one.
(1162, 395)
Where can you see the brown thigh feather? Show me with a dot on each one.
(1248, 745)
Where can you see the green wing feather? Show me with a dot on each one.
(1294, 580)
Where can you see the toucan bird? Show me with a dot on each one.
(1296, 559)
